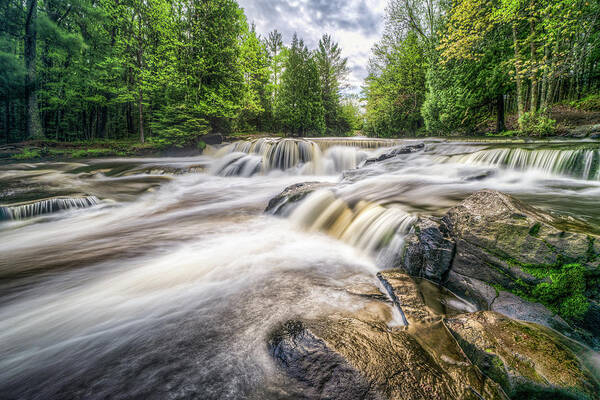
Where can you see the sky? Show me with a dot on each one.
(355, 24)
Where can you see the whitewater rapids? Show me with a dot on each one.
(165, 282)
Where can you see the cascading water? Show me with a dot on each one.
(579, 163)
(47, 206)
(370, 227)
(172, 292)
(303, 156)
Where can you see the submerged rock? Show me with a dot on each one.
(280, 204)
(342, 357)
(396, 151)
(526, 359)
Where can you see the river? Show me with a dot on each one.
(162, 278)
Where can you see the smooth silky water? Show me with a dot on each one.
(161, 278)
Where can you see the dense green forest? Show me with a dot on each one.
(451, 66)
(167, 71)
(171, 71)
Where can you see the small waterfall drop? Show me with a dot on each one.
(367, 226)
(47, 206)
(302, 156)
(577, 163)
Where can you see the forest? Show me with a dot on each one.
(447, 67)
(170, 71)
(161, 70)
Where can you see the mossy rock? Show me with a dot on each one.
(525, 358)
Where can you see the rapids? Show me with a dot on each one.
(167, 282)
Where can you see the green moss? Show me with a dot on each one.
(535, 229)
(565, 292)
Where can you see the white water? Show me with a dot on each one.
(169, 289)
(47, 206)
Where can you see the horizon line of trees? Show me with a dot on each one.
(448, 67)
(165, 70)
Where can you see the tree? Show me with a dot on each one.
(256, 104)
(34, 125)
(395, 88)
(299, 105)
(333, 72)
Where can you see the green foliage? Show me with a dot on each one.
(299, 105)
(483, 59)
(178, 126)
(588, 103)
(537, 124)
(395, 88)
(161, 70)
(333, 72)
(28, 154)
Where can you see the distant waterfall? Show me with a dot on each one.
(370, 227)
(47, 206)
(578, 163)
(311, 157)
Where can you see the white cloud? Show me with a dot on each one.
(356, 24)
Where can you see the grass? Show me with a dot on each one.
(50, 149)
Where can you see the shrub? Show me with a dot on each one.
(537, 124)
(28, 154)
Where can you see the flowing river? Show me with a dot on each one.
(161, 278)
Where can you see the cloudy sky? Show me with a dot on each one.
(355, 24)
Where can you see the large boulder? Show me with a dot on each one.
(343, 357)
(528, 360)
(439, 349)
(502, 254)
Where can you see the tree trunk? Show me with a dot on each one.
(141, 110)
(520, 105)
(534, 67)
(34, 126)
(129, 118)
(6, 118)
(102, 120)
(500, 124)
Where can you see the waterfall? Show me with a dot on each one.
(578, 163)
(369, 227)
(310, 157)
(48, 206)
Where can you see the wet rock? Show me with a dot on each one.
(518, 308)
(212, 139)
(419, 300)
(342, 357)
(280, 204)
(489, 246)
(525, 358)
(429, 250)
(495, 227)
(396, 151)
(584, 131)
(480, 176)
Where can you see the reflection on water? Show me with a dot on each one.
(167, 287)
